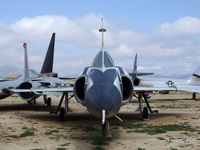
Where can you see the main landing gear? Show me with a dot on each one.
(63, 111)
(194, 95)
(144, 110)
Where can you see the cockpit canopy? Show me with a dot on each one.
(103, 59)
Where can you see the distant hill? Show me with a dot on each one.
(14, 71)
(10, 71)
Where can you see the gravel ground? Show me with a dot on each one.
(31, 127)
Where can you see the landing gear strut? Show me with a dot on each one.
(63, 111)
(147, 103)
(144, 110)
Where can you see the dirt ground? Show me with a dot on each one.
(31, 127)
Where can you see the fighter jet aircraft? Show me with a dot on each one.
(44, 79)
(103, 88)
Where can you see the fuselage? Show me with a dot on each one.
(103, 92)
(100, 86)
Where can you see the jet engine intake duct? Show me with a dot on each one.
(26, 95)
(127, 88)
(79, 89)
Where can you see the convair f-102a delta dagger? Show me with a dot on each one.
(102, 88)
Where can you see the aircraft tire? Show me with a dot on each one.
(145, 113)
(105, 129)
(62, 114)
(48, 102)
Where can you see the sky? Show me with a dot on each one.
(165, 34)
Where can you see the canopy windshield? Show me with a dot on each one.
(103, 59)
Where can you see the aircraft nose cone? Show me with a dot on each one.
(103, 96)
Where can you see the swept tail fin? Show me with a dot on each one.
(48, 61)
(135, 73)
(26, 64)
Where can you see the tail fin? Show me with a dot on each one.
(135, 74)
(48, 61)
(26, 65)
(195, 78)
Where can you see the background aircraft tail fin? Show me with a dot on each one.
(135, 73)
(26, 64)
(195, 79)
(47, 66)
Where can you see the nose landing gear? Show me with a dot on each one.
(104, 124)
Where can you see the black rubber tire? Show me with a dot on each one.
(145, 113)
(62, 114)
(48, 102)
(105, 129)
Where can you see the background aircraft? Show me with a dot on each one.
(189, 85)
(135, 73)
(44, 79)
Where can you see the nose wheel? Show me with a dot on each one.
(105, 128)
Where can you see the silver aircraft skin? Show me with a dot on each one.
(188, 85)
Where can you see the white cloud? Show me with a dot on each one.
(183, 26)
(78, 40)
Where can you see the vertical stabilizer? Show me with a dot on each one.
(48, 61)
(135, 68)
(26, 65)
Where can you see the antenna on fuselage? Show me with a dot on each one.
(102, 30)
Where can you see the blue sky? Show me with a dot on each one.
(142, 15)
(163, 32)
